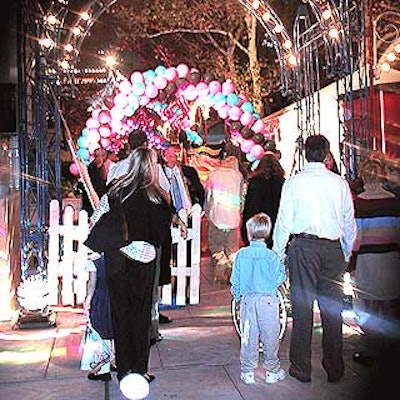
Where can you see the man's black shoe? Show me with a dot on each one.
(298, 375)
(99, 377)
(163, 319)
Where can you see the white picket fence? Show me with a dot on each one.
(67, 255)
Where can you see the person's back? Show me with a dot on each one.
(316, 211)
(224, 195)
(256, 275)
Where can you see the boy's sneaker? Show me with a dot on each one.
(273, 377)
(247, 377)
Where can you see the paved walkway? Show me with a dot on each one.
(198, 359)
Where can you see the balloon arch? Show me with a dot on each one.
(164, 102)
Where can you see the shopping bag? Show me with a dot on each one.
(95, 351)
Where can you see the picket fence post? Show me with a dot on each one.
(67, 255)
(183, 269)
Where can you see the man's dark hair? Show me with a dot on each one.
(317, 147)
(137, 139)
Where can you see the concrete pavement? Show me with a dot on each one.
(198, 359)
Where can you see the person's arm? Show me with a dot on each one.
(349, 224)
(91, 286)
(235, 278)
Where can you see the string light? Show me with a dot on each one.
(385, 67)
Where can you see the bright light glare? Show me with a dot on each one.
(76, 31)
(397, 48)
(68, 47)
(333, 33)
(85, 16)
(266, 16)
(385, 67)
(110, 61)
(327, 14)
(46, 42)
(391, 57)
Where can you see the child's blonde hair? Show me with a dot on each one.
(259, 226)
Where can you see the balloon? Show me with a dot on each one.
(92, 123)
(149, 76)
(171, 74)
(194, 76)
(73, 168)
(258, 126)
(183, 70)
(137, 77)
(232, 99)
(190, 92)
(151, 91)
(246, 119)
(117, 113)
(246, 133)
(82, 142)
(160, 82)
(160, 70)
(121, 100)
(235, 113)
(257, 152)
(95, 113)
(223, 111)
(104, 117)
(83, 154)
(247, 107)
(215, 87)
(105, 143)
(138, 88)
(93, 136)
(104, 131)
(134, 387)
(125, 86)
(144, 100)
(228, 88)
(258, 138)
(208, 77)
(246, 145)
(171, 87)
(250, 157)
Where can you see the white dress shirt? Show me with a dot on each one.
(318, 202)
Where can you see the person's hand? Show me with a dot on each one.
(86, 305)
(184, 230)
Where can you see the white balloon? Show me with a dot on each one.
(134, 387)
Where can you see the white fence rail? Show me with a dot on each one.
(67, 256)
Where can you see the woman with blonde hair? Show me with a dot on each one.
(139, 212)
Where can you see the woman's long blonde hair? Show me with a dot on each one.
(142, 174)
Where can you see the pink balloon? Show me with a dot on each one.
(104, 131)
(125, 86)
(257, 151)
(235, 113)
(258, 126)
(151, 91)
(104, 117)
(202, 86)
(144, 100)
(215, 87)
(93, 146)
(190, 92)
(121, 100)
(223, 112)
(137, 77)
(246, 119)
(92, 123)
(228, 87)
(171, 74)
(95, 113)
(247, 145)
(93, 136)
(183, 70)
(160, 82)
(105, 143)
(117, 113)
(73, 168)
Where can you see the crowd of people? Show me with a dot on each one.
(264, 229)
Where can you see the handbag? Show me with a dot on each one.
(96, 351)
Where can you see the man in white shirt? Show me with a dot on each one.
(223, 207)
(316, 210)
